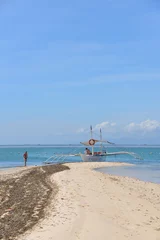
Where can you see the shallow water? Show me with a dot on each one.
(147, 173)
(147, 169)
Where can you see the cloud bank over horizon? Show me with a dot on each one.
(142, 131)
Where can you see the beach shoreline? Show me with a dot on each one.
(92, 205)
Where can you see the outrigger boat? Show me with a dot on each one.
(91, 156)
(94, 156)
(102, 154)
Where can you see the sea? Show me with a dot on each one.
(147, 168)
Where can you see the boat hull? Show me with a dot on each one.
(92, 158)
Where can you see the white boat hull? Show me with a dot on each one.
(92, 158)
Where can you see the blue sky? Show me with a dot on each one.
(67, 64)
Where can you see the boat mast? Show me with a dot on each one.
(101, 138)
(91, 138)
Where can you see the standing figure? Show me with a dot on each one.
(25, 156)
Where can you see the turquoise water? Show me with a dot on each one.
(12, 156)
(147, 173)
(147, 169)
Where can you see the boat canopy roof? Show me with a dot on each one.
(88, 143)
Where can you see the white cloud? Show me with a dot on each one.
(113, 129)
(146, 126)
(81, 130)
(104, 126)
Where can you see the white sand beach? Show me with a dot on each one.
(91, 205)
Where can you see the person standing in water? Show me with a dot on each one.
(25, 156)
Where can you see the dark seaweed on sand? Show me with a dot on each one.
(23, 199)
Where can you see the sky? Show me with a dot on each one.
(66, 65)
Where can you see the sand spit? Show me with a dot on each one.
(91, 205)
